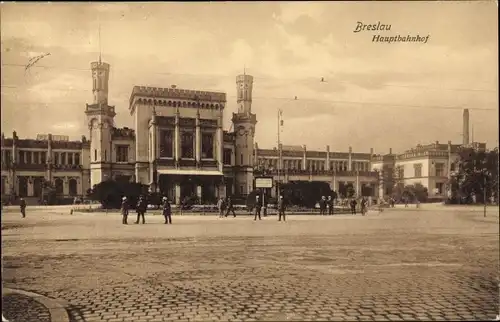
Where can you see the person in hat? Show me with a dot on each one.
(22, 205)
(258, 207)
(141, 208)
(281, 209)
(167, 211)
(230, 207)
(124, 210)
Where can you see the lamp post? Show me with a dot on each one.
(280, 156)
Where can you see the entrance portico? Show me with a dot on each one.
(179, 184)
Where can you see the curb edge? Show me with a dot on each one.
(56, 308)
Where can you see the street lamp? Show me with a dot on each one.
(280, 155)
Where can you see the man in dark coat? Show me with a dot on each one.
(330, 205)
(230, 207)
(322, 206)
(124, 210)
(258, 207)
(281, 209)
(142, 207)
(353, 206)
(167, 211)
(22, 205)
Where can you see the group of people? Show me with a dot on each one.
(261, 204)
(141, 209)
(225, 206)
(329, 204)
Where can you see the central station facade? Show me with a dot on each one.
(179, 148)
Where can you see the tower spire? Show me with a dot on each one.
(100, 43)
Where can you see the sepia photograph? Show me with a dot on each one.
(250, 161)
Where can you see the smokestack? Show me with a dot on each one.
(466, 127)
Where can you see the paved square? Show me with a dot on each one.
(427, 264)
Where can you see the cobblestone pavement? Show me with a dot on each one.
(398, 265)
(17, 308)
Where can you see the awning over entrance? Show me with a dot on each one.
(190, 172)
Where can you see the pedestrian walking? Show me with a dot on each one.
(230, 207)
(330, 205)
(380, 205)
(363, 206)
(221, 207)
(258, 207)
(281, 209)
(353, 206)
(124, 210)
(22, 205)
(141, 209)
(167, 211)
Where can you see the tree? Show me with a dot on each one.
(109, 193)
(476, 173)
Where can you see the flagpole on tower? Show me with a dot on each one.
(100, 49)
(280, 155)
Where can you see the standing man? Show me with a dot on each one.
(281, 209)
(330, 205)
(258, 207)
(363, 206)
(22, 204)
(353, 206)
(322, 206)
(167, 211)
(229, 207)
(142, 206)
(124, 210)
(220, 206)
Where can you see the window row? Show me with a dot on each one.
(315, 165)
(40, 157)
(187, 145)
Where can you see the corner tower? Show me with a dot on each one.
(100, 121)
(244, 127)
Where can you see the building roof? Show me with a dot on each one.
(177, 93)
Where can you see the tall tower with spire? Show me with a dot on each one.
(244, 122)
(100, 120)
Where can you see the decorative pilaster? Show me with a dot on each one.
(358, 193)
(177, 138)
(177, 194)
(304, 159)
(220, 144)
(327, 165)
(198, 139)
(349, 162)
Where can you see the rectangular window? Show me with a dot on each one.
(36, 157)
(63, 158)
(207, 146)
(300, 165)
(187, 144)
(166, 144)
(418, 170)
(28, 157)
(439, 187)
(43, 157)
(95, 154)
(56, 158)
(227, 156)
(77, 158)
(439, 169)
(8, 156)
(70, 158)
(105, 155)
(241, 159)
(122, 153)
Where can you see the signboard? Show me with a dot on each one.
(264, 182)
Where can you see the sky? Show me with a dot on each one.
(374, 95)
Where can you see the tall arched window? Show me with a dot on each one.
(95, 154)
(73, 187)
(59, 184)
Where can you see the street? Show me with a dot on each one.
(418, 264)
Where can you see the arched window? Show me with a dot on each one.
(73, 187)
(95, 154)
(59, 184)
